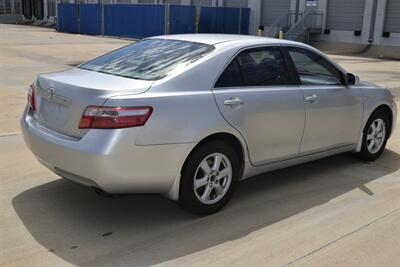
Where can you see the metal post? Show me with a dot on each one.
(102, 17)
(261, 13)
(240, 21)
(166, 21)
(198, 13)
(78, 17)
(373, 19)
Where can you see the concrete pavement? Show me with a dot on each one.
(337, 211)
(26, 51)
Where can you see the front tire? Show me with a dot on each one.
(209, 177)
(375, 136)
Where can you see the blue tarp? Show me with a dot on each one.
(138, 21)
(90, 19)
(67, 20)
(245, 21)
(134, 20)
(182, 19)
(219, 20)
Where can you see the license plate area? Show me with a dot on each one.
(53, 113)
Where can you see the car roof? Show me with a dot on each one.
(215, 38)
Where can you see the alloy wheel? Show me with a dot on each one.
(376, 136)
(212, 178)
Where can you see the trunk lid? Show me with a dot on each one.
(62, 97)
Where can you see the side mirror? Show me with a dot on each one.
(352, 79)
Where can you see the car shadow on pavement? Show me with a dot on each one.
(140, 230)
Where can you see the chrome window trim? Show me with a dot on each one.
(259, 87)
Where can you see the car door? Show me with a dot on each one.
(257, 95)
(333, 110)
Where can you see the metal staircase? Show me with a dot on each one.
(307, 23)
(284, 22)
(296, 34)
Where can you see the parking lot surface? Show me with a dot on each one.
(335, 211)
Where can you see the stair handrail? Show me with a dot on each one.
(276, 25)
(305, 26)
(299, 22)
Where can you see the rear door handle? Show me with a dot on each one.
(233, 102)
(312, 99)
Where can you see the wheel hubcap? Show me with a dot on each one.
(376, 136)
(213, 178)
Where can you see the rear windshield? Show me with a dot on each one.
(150, 59)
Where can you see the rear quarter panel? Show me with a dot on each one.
(178, 117)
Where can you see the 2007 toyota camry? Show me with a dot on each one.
(190, 115)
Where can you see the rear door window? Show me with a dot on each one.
(150, 59)
(256, 67)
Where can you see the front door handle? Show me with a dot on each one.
(233, 102)
(312, 99)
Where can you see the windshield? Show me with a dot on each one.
(150, 59)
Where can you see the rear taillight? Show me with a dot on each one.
(31, 97)
(95, 117)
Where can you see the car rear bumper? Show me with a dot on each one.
(106, 159)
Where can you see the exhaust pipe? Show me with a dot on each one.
(101, 193)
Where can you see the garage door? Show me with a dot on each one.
(273, 9)
(392, 21)
(345, 15)
(202, 2)
(236, 3)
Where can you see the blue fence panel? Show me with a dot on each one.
(245, 21)
(229, 18)
(130, 20)
(134, 20)
(90, 19)
(67, 20)
(219, 20)
(182, 19)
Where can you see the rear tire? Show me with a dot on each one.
(209, 177)
(375, 136)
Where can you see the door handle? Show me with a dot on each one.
(233, 102)
(312, 99)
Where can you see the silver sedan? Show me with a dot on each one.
(188, 116)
